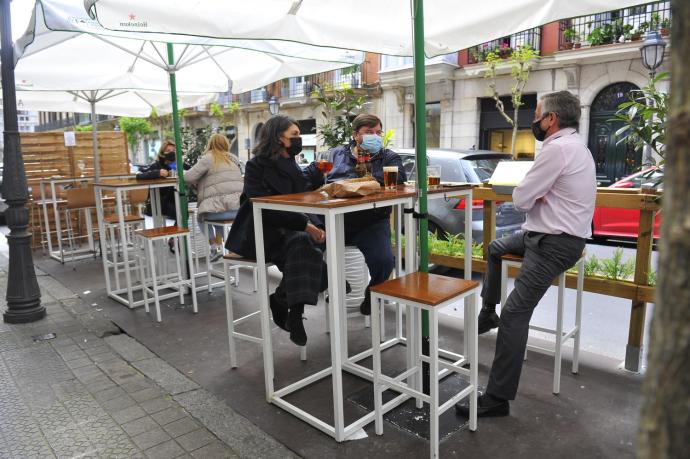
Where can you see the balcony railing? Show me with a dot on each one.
(505, 45)
(627, 24)
(335, 79)
(255, 96)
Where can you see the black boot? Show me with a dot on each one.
(487, 320)
(297, 333)
(279, 310)
(365, 307)
(487, 406)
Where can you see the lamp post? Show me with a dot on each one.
(274, 105)
(652, 53)
(23, 294)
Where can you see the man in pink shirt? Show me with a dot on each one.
(558, 195)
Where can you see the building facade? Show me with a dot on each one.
(596, 57)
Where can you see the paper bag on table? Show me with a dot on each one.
(351, 188)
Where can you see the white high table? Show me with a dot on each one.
(120, 187)
(54, 182)
(334, 211)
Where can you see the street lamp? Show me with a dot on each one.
(274, 105)
(23, 294)
(652, 53)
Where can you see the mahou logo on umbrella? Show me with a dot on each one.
(132, 22)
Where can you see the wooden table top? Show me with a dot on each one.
(321, 200)
(120, 183)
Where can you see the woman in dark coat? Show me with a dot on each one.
(290, 238)
(160, 168)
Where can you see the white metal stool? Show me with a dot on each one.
(174, 280)
(210, 271)
(510, 260)
(112, 248)
(201, 249)
(422, 291)
(232, 261)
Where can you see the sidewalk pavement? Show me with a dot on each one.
(94, 392)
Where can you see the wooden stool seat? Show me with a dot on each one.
(511, 257)
(236, 257)
(425, 288)
(112, 219)
(219, 222)
(165, 231)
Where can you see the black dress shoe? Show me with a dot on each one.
(486, 321)
(279, 311)
(296, 326)
(365, 307)
(487, 406)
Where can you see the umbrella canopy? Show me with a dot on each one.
(381, 26)
(109, 102)
(82, 55)
(63, 49)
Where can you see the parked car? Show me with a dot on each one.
(473, 166)
(614, 222)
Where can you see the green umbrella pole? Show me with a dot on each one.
(178, 140)
(420, 136)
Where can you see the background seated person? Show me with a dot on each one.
(369, 230)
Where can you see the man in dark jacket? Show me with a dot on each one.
(369, 230)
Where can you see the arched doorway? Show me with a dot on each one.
(613, 161)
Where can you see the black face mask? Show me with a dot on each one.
(295, 146)
(538, 132)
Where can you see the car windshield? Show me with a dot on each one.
(479, 170)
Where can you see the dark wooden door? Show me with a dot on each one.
(613, 160)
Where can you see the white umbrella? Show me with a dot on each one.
(63, 49)
(382, 26)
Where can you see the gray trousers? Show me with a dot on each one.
(545, 256)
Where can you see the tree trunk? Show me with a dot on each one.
(515, 129)
(665, 421)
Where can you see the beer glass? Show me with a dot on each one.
(433, 177)
(390, 177)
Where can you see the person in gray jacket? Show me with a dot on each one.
(219, 184)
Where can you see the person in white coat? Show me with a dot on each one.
(218, 179)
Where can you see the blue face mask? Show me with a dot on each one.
(172, 166)
(371, 143)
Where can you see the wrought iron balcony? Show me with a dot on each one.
(627, 24)
(505, 45)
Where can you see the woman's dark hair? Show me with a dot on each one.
(268, 144)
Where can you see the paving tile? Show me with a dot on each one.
(150, 438)
(139, 426)
(168, 416)
(74, 355)
(116, 404)
(98, 383)
(136, 383)
(166, 450)
(181, 427)
(128, 414)
(109, 394)
(214, 450)
(145, 394)
(195, 440)
(78, 363)
(157, 404)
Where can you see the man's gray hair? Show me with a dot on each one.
(565, 105)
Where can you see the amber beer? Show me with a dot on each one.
(433, 182)
(433, 177)
(390, 177)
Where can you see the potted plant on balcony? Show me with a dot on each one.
(665, 27)
(596, 37)
(627, 32)
(571, 36)
(504, 51)
(654, 21)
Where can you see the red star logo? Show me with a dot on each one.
(132, 16)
